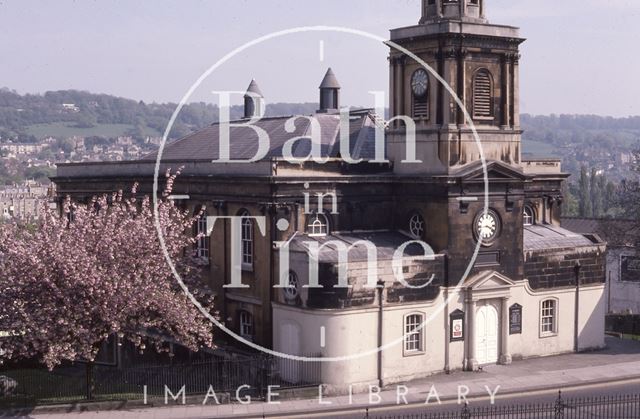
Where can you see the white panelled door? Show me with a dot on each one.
(290, 345)
(487, 335)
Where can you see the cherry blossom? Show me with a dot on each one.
(89, 271)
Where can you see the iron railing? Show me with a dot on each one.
(607, 407)
(71, 383)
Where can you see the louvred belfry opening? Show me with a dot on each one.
(421, 107)
(482, 95)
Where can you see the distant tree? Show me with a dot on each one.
(596, 188)
(40, 174)
(98, 271)
(570, 204)
(610, 197)
(586, 209)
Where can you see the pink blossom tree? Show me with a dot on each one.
(72, 281)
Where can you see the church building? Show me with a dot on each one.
(465, 276)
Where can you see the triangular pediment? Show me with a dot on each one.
(495, 171)
(489, 280)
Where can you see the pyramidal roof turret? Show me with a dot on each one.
(254, 88)
(330, 81)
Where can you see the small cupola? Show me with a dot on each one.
(465, 10)
(329, 93)
(253, 101)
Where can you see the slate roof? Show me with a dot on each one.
(386, 243)
(204, 144)
(548, 237)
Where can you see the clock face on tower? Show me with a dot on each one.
(419, 82)
(487, 226)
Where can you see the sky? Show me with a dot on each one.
(581, 56)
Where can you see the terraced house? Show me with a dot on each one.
(500, 283)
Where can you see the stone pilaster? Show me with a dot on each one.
(505, 356)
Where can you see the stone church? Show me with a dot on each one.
(502, 282)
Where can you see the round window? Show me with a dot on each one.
(291, 292)
(416, 226)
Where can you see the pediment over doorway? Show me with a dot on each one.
(489, 280)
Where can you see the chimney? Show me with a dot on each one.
(253, 101)
(329, 93)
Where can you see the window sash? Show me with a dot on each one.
(528, 217)
(247, 242)
(413, 333)
(246, 324)
(202, 245)
(548, 317)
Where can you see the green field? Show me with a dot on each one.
(65, 130)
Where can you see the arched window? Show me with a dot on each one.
(200, 231)
(549, 317)
(317, 225)
(247, 240)
(417, 226)
(528, 216)
(413, 334)
(246, 325)
(482, 95)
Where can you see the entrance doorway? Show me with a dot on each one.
(487, 335)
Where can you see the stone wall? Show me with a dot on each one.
(555, 268)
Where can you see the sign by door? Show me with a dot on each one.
(515, 319)
(456, 325)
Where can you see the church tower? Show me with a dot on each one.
(479, 61)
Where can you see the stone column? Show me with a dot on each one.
(393, 89)
(505, 356)
(471, 361)
(402, 107)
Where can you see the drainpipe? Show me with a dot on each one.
(609, 293)
(576, 271)
(447, 327)
(380, 288)
(273, 212)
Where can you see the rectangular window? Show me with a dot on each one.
(202, 246)
(246, 325)
(548, 317)
(413, 334)
(247, 244)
